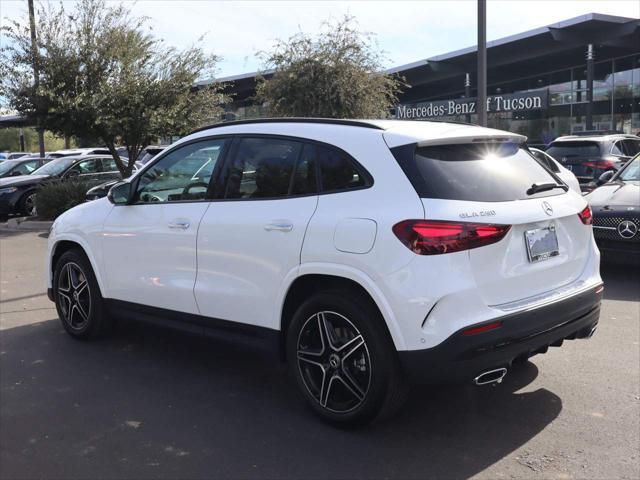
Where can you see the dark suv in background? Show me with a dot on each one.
(589, 156)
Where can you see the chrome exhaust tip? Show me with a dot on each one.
(490, 376)
(593, 330)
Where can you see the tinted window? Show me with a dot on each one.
(632, 172)
(545, 160)
(578, 149)
(26, 168)
(617, 149)
(262, 168)
(54, 167)
(337, 171)
(85, 167)
(478, 172)
(109, 165)
(304, 176)
(630, 147)
(183, 174)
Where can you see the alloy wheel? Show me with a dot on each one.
(30, 205)
(74, 296)
(334, 362)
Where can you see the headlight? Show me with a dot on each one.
(7, 190)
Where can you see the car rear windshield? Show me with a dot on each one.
(479, 172)
(577, 149)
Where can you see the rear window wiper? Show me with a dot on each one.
(543, 187)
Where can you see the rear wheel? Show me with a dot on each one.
(343, 360)
(77, 297)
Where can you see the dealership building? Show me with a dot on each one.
(576, 75)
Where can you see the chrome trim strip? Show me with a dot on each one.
(604, 228)
(540, 300)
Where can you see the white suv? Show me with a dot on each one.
(377, 253)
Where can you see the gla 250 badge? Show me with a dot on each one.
(482, 213)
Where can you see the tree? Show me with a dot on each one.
(338, 74)
(104, 78)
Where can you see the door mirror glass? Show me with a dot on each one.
(605, 177)
(120, 193)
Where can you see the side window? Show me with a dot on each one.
(337, 171)
(27, 167)
(85, 167)
(617, 148)
(304, 176)
(109, 165)
(262, 168)
(631, 147)
(183, 174)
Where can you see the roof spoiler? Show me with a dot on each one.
(497, 139)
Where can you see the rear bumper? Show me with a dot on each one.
(461, 358)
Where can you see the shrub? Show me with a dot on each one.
(56, 197)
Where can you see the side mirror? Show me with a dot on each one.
(120, 193)
(605, 177)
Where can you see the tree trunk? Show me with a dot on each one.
(119, 163)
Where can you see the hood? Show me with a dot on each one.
(615, 194)
(22, 180)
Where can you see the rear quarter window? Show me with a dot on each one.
(473, 172)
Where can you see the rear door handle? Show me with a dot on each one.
(278, 227)
(179, 225)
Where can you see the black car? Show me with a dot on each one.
(589, 156)
(616, 214)
(20, 166)
(17, 194)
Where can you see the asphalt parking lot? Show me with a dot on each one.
(153, 403)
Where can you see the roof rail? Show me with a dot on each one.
(331, 121)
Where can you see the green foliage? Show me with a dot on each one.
(336, 75)
(10, 140)
(56, 197)
(102, 76)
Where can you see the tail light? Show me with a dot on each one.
(602, 164)
(586, 216)
(434, 237)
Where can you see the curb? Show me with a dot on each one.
(26, 225)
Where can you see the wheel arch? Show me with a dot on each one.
(312, 280)
(63, 245)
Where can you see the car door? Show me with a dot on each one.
(85, 170)
(150, 245)
(109, 170)
(250, 238)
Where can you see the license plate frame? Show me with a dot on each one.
(541, 243)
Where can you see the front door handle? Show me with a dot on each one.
(179, 225)
(278, 227)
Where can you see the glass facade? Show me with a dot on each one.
(616, 101)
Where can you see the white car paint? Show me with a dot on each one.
(228, 265)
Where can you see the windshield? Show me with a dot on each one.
(632, 172)
(8, 165)
(54, 167)
(562, 150)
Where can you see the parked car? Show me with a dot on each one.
(552, 164)
(100, 191)
(588, 157)
(17, 194)
(373, 252)
(149, 152)
(79, 152)
(616, 214)
(22, 166)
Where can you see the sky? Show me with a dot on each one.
(406, 31)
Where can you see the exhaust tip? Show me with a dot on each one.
(490, 376)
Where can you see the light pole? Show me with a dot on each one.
(482, 63)
(36, 73)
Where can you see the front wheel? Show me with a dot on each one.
(27, 205)
(77, 296)
(343, 360)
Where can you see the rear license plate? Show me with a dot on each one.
(542, 243)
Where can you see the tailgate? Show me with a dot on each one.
(504, 271)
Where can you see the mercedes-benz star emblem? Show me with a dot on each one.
(548, 209)
(627, 229)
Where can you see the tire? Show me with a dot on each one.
(27, 204)
(350, 374)
(77, 297)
